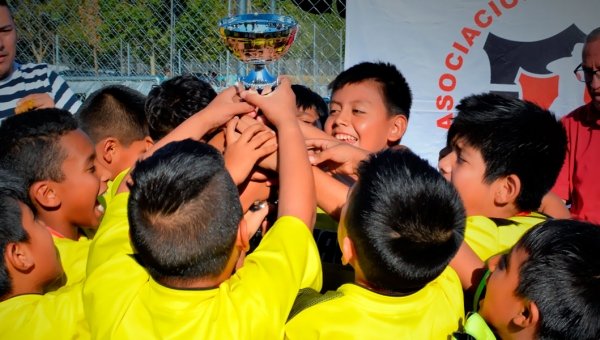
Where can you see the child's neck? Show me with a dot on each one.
(61, 227)
(506, 211)
(203, 282)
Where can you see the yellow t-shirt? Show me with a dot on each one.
(55, 315)
(433, 312)
(122, 302)
(112, 187)
(488, 237)
(73, 257)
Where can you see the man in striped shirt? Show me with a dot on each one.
(28, 86)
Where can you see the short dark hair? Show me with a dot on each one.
(3, 3)
(307, 98)
(114, 111)
(514, 137)
(174, 101)
(12, 190)
(30, 144)
(184, 211)
(405, 220)
(562, 276)
(396, 92)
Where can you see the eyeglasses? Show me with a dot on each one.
(585, 74)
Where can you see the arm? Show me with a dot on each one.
(218, 112)
(554, 206)
(340, 158)
(331, 193)
(296, 184)
(67, 100)
(469, 267)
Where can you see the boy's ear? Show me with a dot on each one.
(242, 240)
(507, 190)
(398, 128)
(149, 143)
(45, 194)
(108, 149)
(17, 256)
(529, 316)
(348, 251)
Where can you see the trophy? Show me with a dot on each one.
(258, 39)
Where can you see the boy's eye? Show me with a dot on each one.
(92, 169)
(333, 111)
(357, 111)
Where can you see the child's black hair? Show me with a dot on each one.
(405, 220)
(307, 98)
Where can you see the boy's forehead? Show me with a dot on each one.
(77, 143)
(359, 93)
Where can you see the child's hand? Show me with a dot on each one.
(34, 101)
(269, 162)
(278, 106)
(243, 150)
(225, 106)
(341, 158)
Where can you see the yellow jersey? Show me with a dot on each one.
(434, 312)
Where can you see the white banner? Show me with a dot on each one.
(450, 49)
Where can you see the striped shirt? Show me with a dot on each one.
(35, 78)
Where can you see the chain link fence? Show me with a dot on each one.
(112, 41)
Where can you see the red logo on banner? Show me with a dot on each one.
(542, 91)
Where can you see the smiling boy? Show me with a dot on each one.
(57, 162)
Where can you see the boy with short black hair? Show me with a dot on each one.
(30, 270)
(506, 155)
(191, 292)
(115, 120)
(57, 162)
(399, 229)
(312, 108)
(370, 106)
(547, 286)
(175, 100)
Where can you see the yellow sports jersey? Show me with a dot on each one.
(488, 237)
(112, 187)
(122, 302)
(73, 257)
(55, 315)
(433, 312)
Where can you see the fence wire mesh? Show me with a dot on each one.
(112, 39)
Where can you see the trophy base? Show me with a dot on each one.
(258, 79)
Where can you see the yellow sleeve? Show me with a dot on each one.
(112, 237)
(286, 260)
(55, 315)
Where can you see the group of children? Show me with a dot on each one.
(136, 218)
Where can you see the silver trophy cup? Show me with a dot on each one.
(258, 39)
